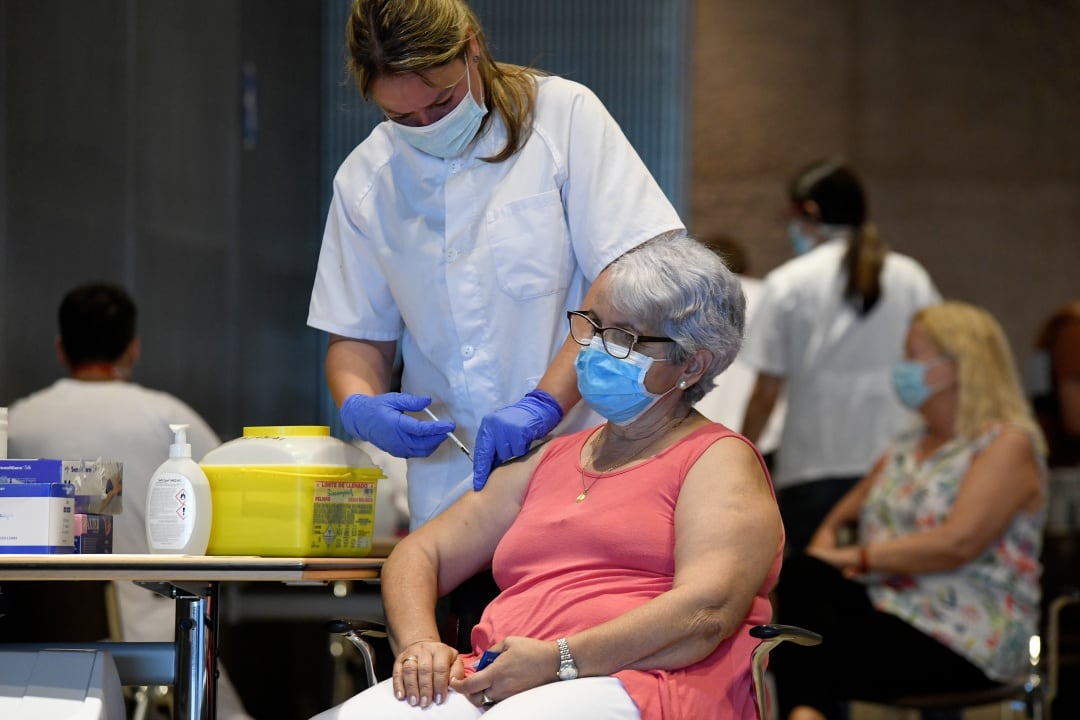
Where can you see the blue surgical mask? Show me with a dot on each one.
(909, 380)
(801, 241)
(614, 387)
(448, 136)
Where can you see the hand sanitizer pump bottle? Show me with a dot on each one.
(178, 506)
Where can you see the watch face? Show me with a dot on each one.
(567, 671)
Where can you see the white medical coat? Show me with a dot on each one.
(472, 265)
(842, 409)
(726, 402)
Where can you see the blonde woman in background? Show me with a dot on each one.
(941, 590)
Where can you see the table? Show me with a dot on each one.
(189, 663)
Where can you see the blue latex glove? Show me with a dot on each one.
(507, 433)
(381, 420)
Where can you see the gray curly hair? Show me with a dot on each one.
(677, 285)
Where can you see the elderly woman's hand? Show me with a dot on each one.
(423, 671)
(522, 664)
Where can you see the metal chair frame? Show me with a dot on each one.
(1035, 694)
(358, 633)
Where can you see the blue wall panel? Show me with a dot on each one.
(634, 54)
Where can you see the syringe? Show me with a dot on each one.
(452, 436)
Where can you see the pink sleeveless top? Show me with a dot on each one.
(565, 566)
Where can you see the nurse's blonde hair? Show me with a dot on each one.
(989, 387)
(410, 36)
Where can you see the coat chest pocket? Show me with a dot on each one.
(530, 246)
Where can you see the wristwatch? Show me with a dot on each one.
(567, 669)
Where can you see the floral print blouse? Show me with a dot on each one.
(985, 610)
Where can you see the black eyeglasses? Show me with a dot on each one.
(617, 342)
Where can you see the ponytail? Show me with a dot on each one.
(862, 263)
(837, 192)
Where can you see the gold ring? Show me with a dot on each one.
(488, 702)
(411, 657)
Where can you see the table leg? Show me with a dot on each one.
(196, 656)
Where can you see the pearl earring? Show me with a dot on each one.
(682, 384)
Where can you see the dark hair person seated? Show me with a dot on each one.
(632, 558)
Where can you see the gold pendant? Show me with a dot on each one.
(582, 496)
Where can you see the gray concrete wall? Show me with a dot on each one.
(121, 159)
(124, 162)
(962, 116)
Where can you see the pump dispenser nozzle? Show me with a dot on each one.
(180, 447)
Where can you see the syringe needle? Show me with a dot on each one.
(452, 436)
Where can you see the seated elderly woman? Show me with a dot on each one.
(631, 558)
(941, 591)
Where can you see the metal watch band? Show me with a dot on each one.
(564, 651)
(567, 667)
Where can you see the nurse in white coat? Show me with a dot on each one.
(827, 330)
(464, 228)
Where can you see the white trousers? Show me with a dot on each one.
(591, 698)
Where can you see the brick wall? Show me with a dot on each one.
(963, 117)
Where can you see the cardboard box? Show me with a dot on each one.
(98, 483)
(36, 515)
(93, 534)
(40, 470)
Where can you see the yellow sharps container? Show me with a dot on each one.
(291, 491)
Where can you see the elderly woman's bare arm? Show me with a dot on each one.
(728, 533)
(447, 550)
(431, 561)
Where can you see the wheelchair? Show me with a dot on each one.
(359, 633)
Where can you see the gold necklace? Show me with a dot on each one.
(592, 454)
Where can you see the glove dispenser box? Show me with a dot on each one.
(291, 491)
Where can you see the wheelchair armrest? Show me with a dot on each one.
(363, 628)
(782, 633)
(355, 631)
(1070, 595)
(771, 636)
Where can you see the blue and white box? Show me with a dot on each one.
(36, 509)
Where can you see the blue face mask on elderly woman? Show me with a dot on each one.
(614, 387)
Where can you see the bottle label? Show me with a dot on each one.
(170, 512)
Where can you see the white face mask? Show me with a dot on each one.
(448, 136)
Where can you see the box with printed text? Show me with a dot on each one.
(36, 509)
(93, 534)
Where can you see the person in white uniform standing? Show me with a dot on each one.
(99, 412)
(828, 329)
(463, 228)
(725, 403)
